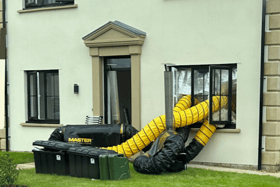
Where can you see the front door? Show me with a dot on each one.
(117, 90)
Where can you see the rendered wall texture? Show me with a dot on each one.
(2, 34)
(178, 32)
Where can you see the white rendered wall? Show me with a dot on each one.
(179, 32)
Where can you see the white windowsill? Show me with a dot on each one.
(220, 130)
(47, 8)
(40, 125)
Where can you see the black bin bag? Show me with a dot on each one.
(166, 154)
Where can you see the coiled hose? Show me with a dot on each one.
(182, 116)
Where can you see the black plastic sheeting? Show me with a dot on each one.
(164, 159)
(184, 132)
(192, 150)
(171, 156)
(94, 135)
(159, 143)
(57, 134)
(179, 164)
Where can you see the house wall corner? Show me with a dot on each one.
(271, 106)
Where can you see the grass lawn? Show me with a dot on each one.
(191, 177)
(20, 157)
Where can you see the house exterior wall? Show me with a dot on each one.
(2, 86)
(1, 15)
(271, 125)
(178, 32)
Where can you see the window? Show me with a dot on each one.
(204, 81)
(43, 96)
(46, 3)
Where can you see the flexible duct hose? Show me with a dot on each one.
(181, 118)
(199, 141)
(205, 132)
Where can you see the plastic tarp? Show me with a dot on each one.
(163, 159)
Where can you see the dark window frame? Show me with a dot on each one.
(44, 3)
(220, 68)
(228, 124)
(35, 119)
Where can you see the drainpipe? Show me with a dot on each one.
(168, 85)
(261, 86)
(6, 78)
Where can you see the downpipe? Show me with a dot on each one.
(168, 88)
(261, 86)
(6, 77)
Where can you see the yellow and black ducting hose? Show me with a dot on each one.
(199, 141)
(205, 132)
(182, 116)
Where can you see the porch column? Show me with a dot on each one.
(97, 89)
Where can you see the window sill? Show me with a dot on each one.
(40, 125)
(220, 130)
(47, 8)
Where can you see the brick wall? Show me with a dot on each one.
(2, 139)
(271, 125)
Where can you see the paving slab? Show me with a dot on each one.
(26, 166)
(224, 169)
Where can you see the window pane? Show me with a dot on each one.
(221, 88)
(201, 82)
(234, 88)
(183, 82)
(29, 1)
(46, 3)
(56, 108)
(52, 95)
(33, 94)
(49, 1)
(118, 63)
(42, 95)
(51, 108)
(56, 85)
(33, 111)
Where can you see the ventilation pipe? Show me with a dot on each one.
(114, 97)
(6, 77)
(168, 85)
